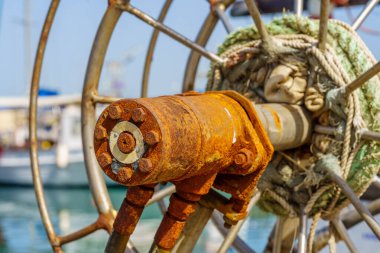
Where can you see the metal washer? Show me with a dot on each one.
(137, 153)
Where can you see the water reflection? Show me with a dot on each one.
(21, 229)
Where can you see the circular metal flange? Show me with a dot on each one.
(136, 153)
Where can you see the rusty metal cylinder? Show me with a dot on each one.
(174, 137)
(171, 138)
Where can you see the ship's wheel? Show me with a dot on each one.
(237, 50)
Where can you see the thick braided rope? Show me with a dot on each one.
(346, 57)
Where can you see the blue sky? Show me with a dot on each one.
(74, 30)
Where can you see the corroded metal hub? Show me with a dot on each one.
(126, 142)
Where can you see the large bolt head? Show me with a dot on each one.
(126, 142)
(152, 137)
(125, 174)
(145, 165)
(104, 159)
(138, 115)
(244, 158)
(114, 111)
(100, 133)
(240, 159)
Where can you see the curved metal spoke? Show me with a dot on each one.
(363, 211)
(168, 31)
(38, 187)
(232, 234)
(364, 14)
(343, 234)
(285, 236)
(202, 38)
(151, 48)
(302, 232)
(103, 99)
(101, 223)
(278, 232)
(323, 22)
(255, 14)
(298, 7)
(365, 135)
(349, 220)
(99, 48)
(361, 80)
(220, 11)
(239, 244)
(162, 194)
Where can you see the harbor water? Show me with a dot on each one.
(21, 230)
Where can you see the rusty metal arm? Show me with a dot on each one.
(193, 229)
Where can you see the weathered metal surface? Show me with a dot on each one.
(184, 136)
(128, 216)
(187, 139)
(195, 141)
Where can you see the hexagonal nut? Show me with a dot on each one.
(114, 111)
(138, 115)
(126, 142)
(100, 133)
(152, 137)
(124, 174)
(104, 159)
(145, 165)
(244, 159)
(240, 159)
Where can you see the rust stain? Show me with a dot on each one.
(276, 118)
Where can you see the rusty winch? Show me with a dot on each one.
(195, 141)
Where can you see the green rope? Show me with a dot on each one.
(349, 49)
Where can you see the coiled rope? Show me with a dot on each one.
(304, 75)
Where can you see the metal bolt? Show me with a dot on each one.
(138, 115)
(100, 133)
(152, 137)
(145, 165)
(104, 159)
(124, 174)
(244, 158)
(228, 223)
(126, 142)
(240, 159)
(114, 111)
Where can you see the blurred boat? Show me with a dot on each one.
(60, 144)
